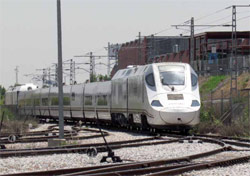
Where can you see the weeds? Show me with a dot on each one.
(210, 123)
(212, 83)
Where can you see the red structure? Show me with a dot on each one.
(176, 49)
(131, 53)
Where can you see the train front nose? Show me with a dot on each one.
(178, 115)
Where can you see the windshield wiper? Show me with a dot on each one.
(171, 88)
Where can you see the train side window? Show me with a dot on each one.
(45, 101)
(128, 72)
(66, 101)
(28, 102)
(73, 95)
(194, 80)
(37, 102)
(54, 101)
(123, 72)
(102, 100)
(88, 100)
(21, 102)
(150, 79)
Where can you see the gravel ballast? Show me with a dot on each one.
(143, 153)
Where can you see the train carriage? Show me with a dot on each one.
(77, 101)
(158, 95)
(29, 103)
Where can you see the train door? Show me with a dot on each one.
(66, 101)
(102, 100)
(76, 101)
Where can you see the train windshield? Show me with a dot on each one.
(172, 75)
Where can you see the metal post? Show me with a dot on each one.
(49, 77)
(16, 70)
(60, 75)
(44, 77)
(71, 72)
(91, 75)
(56, 74)
(192, 42)
(211, 99)
(116, 56)
(139, 53)
(93, 62)
(153, 48)
(222, 105)
(108, 72)
(233, 61)
(74, 72)
(249, 110)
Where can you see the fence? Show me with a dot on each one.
(220, 105)
(221, 66)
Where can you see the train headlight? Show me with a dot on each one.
(156, 103)
(195, 103)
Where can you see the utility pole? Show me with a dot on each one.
(44, 76)
(60, 75)
(49, 78)
(192, 42)
(108, 72)
(92, 62)
(139, 53)
(16, 70)
(56, 75)
(192, 39)
(74, 72)
(91, 76)
(153, 46)
(71, 72)
(116, 55)
(233, 59)
(233, 62)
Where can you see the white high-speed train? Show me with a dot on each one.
(158, 95)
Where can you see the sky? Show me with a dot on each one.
(28, 29)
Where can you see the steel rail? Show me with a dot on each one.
(69, 135)
(78, 149)
(146, 164)
(60, 171)
(33, 133)
(201, 166)
(127, 167)
(86, 145)
(224, 137)
(37, 138)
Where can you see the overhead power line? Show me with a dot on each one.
(211, 14)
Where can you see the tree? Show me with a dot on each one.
(2, 92)
(99, 77)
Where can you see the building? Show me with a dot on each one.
(212, 51)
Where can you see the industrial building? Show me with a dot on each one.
(212, 51)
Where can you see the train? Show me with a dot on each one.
(154, 96)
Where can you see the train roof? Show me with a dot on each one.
(136, 70)
(23, 87)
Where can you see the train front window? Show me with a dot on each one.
(172, 75)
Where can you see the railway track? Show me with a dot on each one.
(43, 136)
(159, 167)
(171, 166)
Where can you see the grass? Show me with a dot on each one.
(212, 83)
(210, 123)
(13, 123)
